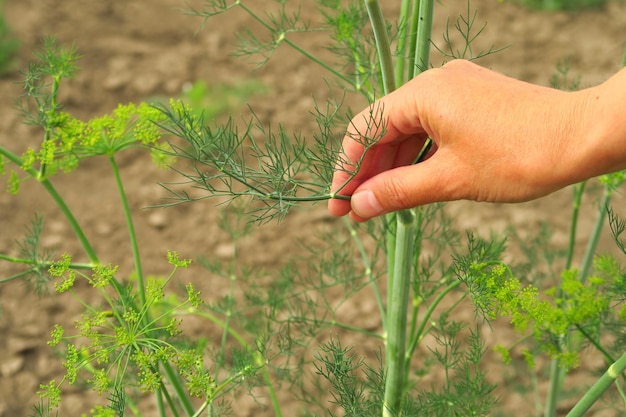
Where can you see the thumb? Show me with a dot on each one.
(405, 187)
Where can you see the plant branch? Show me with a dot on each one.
(596, 391)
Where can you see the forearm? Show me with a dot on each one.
(605, 147)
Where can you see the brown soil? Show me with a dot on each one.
(134, 50)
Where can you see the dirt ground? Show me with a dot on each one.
(134, 50)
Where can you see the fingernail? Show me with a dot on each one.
(366, 205)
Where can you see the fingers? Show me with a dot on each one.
(408, 186)
(381, 137)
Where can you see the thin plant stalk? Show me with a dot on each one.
(557, 372)
(76, 228)
(56, 82)
(171, 375)
(595, 235)
(131, 230)
(579, 190)
(595, 392)
(178, 387)
(283, 38)
(369, 271)
(260, 362)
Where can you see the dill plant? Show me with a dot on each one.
(9, 44)
(132, 340)
(278, 171)
(129, 341)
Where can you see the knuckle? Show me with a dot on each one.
(397, 195)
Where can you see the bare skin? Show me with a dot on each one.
(496, 139)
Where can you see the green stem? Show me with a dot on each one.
(579, 190)
(413, 40)
(382, 44)
(242, 341)
(419, 333)
(160, 403)
(402, 41)
(48, 128)
(595, 236)
(179, 389)
(424, 32)
(78, 231)
(397, 305)
(369, 271)
(131, 230)
(42, 264)
(282, 38)
(557, 373)
(596, 391)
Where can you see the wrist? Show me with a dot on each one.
(604, 133)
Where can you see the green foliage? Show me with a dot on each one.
(9, 44)
(131, 340)
(562, 4)
(208, 101)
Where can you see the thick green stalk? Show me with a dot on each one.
(131, 231)
(400, 250)
(413, 39)
(397, 311)
(179, 389)
(401, 49)
(424, 33)
(596, 391)
(401, 233)
(383, 47)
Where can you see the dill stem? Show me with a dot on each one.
(242, 341)
(367, 263)
(401, 226)
(579, 190)
(307, 54)
(382, 44)
(596, 391)
(595, 235)
(397, 306)
(424, 33)
(131, 230)
(401, 49)
(76, 228)
(181, 393)
(56, 81)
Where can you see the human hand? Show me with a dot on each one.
(496, 139)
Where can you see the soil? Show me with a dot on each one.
(133, 50)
